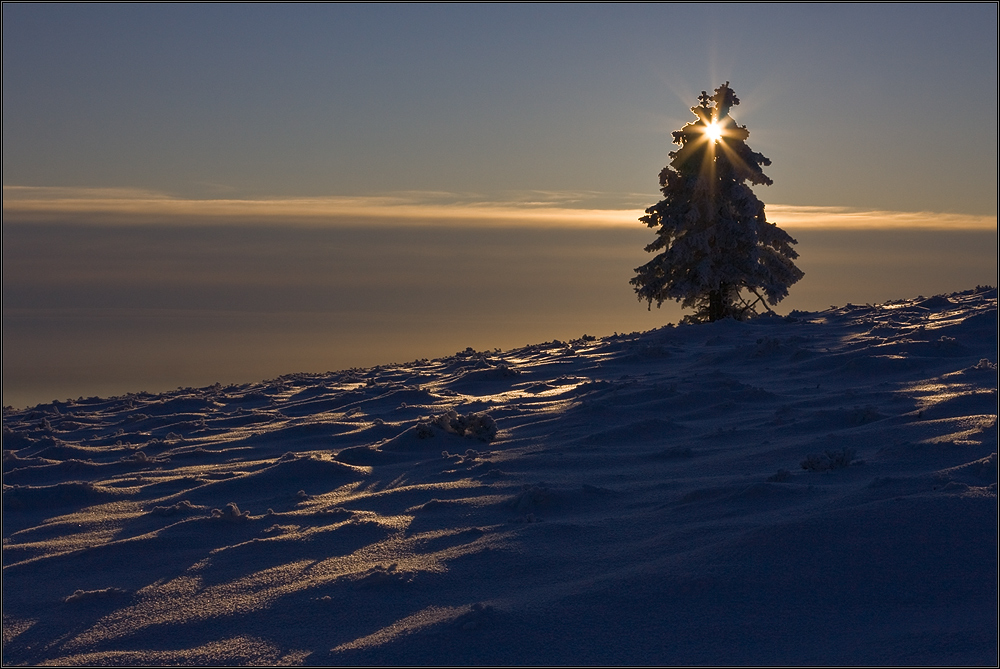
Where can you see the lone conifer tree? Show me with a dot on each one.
(713, 239)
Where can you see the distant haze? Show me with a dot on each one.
(92, 310)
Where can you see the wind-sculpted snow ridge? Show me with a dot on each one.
(814, 489)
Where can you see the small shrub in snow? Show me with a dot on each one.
(530, 497)
(478, 616)
(435, 504)
(231, 512)
(481, 426)
(829, 460)
(860, 415)
(504, 370)
(381, 576)
(474, 425)
(104, 593)
(181, 507)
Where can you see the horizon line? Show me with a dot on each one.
(137, 207)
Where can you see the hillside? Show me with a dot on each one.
(814, 489)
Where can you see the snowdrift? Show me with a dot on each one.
(814, 489)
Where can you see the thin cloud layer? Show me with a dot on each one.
(105, 206)
(846, 218)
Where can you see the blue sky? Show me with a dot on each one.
(888, 107)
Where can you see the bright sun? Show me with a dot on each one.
(713, 131)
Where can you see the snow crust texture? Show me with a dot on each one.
(814, 489)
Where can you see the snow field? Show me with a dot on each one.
(814, 489)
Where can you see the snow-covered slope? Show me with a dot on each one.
(819, 489)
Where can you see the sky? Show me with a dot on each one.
(889, 107)
(155, 156)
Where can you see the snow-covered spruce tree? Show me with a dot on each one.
(713, 241)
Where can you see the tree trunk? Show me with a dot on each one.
(720, 303)
(717, 304)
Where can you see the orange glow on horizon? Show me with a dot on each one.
(133, 207)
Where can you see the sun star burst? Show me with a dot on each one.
(713, 131)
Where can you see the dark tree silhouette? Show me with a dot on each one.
(713, 241)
